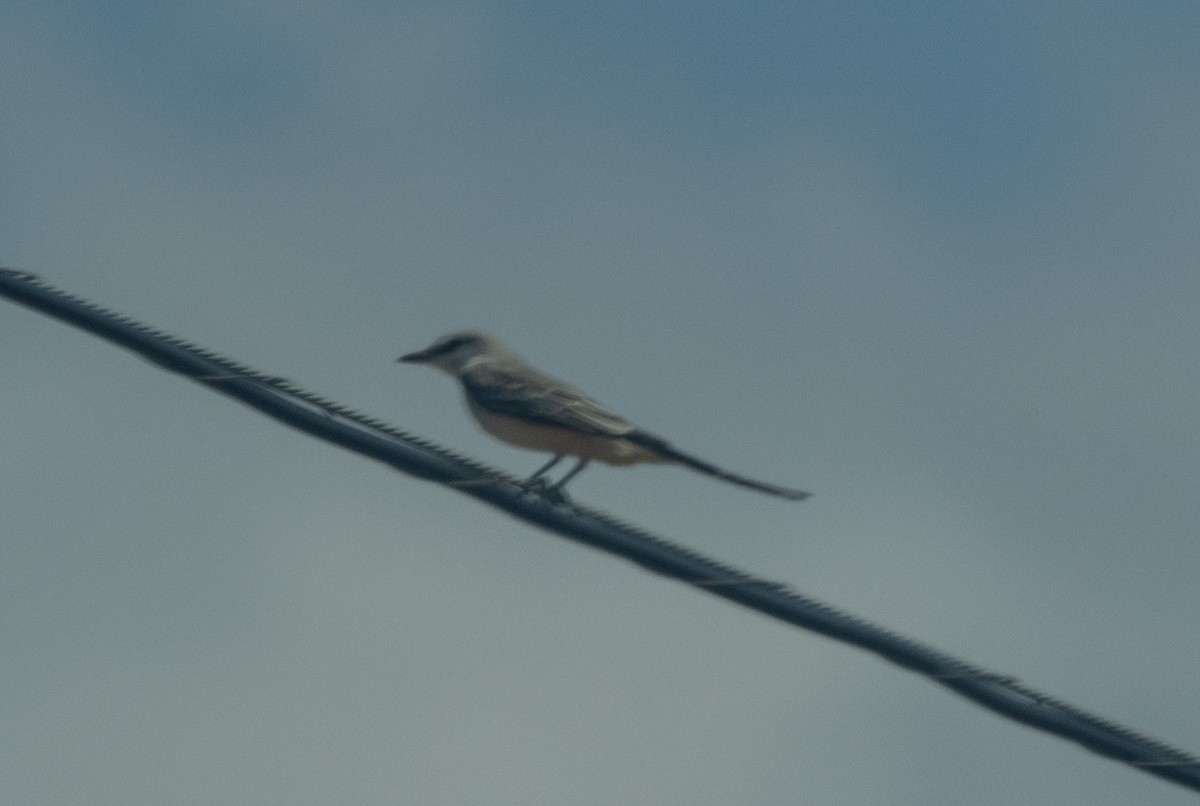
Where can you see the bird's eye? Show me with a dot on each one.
(452, 345)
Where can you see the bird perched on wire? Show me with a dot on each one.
(524, 407)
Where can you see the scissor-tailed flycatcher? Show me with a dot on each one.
(516, 403)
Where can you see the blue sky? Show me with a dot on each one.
(934, 263)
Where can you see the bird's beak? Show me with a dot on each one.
(419, 357)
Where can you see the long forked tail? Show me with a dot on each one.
(668, 451)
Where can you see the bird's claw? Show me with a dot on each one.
(544, 490)
(538, 486)
(554, 495)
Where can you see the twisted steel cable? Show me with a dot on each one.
(326, 419)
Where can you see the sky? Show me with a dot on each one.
(934, 262)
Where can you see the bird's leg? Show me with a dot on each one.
(555, 491)
(536, 479)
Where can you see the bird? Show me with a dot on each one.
(525, 407)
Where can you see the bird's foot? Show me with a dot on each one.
(535, 485)
(555, 495)
(543, 489)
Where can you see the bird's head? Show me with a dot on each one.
(454, 351)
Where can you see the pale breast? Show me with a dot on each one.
(551, 439)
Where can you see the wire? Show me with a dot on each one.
(326, 419)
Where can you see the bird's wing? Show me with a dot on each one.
(519, 391)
